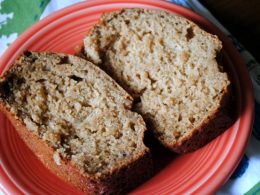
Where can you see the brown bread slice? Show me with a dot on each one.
(78, 122)
(168, 64)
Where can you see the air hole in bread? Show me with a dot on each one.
(150, 78)
(190, 34)
(127, 22)
(5, 91)
(64, 60)
(76, 78)
(137, 100)
(40, 80)
(27, 53)
(192, 119)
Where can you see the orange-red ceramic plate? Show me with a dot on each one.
(203, 171)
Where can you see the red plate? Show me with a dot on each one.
(203, 171)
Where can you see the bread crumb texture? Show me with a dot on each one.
(76, 108)
(166, 62)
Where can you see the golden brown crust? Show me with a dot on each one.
(117, 182)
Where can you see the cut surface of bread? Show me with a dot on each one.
(168, 64)
(77, 120)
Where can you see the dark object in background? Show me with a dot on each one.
(241, 18)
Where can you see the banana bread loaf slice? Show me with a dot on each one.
(168, 64)
(78, 122)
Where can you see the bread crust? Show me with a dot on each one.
(119, 180)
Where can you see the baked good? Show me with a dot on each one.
(168, 64)
(78, 122)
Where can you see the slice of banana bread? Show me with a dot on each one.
(168, 64)
(78, 122)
